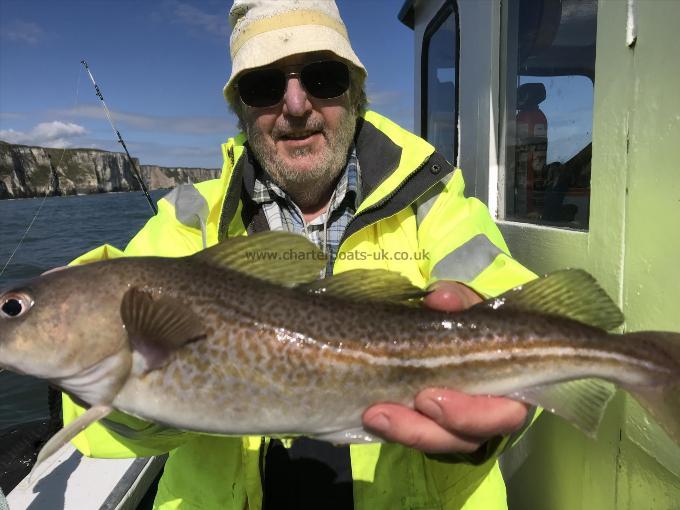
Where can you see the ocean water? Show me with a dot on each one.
(62, 229)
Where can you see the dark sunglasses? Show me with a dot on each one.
(265, 87)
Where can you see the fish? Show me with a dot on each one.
(243, 338)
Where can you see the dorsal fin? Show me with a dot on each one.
(571, 293)
(281, 258)
(367, 285)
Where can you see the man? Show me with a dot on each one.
(371, 195)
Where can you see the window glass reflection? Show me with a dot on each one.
(440, 79)
(550, 51)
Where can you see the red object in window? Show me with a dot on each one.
(532, 147)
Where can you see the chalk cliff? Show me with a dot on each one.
(27, 171)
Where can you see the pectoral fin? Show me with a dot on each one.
(157, 326)
(58, 440)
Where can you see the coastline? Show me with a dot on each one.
(34, 172)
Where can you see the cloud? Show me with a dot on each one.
(184, 125)
(199, 22)
(385, 97)
(68, 135)
(11, 116)
(394, 103)
(23, 32)
(46, 134)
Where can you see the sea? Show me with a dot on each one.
(37, 234)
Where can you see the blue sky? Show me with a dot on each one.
(161, 65)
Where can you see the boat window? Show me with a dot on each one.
(439, 107)
(549, 49)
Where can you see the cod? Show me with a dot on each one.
(244, 338)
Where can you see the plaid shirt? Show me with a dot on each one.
(326, 230)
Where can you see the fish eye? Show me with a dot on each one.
(14, 304)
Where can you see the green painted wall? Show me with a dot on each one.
(649, 465)
(633, 248)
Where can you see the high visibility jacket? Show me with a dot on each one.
(413, 219)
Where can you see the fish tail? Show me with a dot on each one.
(661, 400)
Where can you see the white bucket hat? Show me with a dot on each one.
(264, 31)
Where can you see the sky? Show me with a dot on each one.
(161, 66)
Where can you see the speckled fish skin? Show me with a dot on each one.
(275, 360)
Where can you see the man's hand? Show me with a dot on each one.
(446, 421)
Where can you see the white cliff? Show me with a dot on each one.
(27, 171)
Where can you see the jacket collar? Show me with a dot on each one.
(379, 156)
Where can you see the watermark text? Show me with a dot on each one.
(293, 255)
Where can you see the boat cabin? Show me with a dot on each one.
(564, 116)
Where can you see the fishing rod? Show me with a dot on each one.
(120, 139)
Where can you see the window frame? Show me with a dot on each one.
(447, 9)
(506, 109)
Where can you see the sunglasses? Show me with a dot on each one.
(266, 87)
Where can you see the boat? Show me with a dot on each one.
(495, 81)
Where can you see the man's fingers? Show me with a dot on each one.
(402, 425)
(473, 416)
(449, 296)
(446, 421)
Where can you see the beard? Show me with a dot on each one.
(309, 187)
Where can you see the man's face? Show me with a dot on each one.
(302, 142)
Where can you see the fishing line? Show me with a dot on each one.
(120, 138)
(49, 187)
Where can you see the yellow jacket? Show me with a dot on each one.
(413, 204)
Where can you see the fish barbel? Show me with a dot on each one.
(234, 341)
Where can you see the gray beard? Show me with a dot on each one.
(309, 188)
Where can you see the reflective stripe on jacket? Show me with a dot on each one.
(414, 220)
